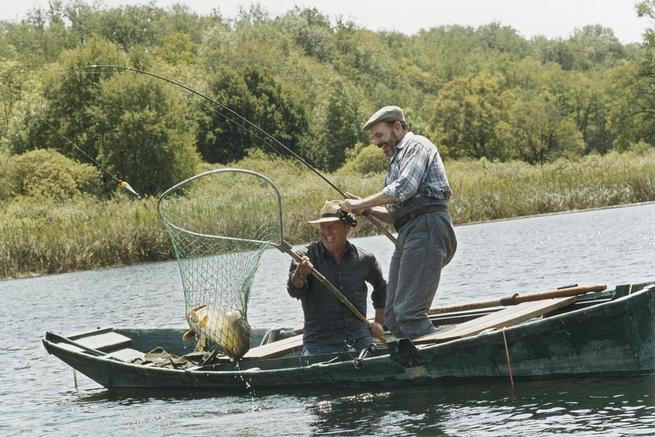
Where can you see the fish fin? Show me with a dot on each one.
(187, 335)
(200, 346)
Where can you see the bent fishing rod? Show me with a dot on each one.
(122, 184)
(240, 121)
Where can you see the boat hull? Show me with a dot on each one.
(614, 337)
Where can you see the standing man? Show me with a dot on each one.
(329, 325)
(415, 195)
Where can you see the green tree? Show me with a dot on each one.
(257, 96)
(67, 104)
(338, 126)
(312, 32)
(370, 159)
(177, 47)
(594, 46)
(631, 113)
(41, 36)
(12, 80)
(129, 26)
(466, 113)
(144, 132)
(537, 132)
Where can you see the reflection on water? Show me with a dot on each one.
(613, 246)
(561, 406)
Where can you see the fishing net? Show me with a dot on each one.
(220, 222)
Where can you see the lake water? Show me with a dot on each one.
(612, 246)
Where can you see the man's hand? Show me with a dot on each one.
(376, 329)
(303, 269)
(352, 205)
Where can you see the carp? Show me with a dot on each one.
(228, 329)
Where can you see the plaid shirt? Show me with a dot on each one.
(416, 170)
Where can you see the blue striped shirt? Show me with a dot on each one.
(416, 170)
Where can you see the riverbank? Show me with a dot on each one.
(41, 235)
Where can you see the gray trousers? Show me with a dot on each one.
(427, 244)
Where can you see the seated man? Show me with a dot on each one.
(329, 325)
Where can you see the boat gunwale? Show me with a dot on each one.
(330, 363)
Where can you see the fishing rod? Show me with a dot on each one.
(120, 182)
(259, 133)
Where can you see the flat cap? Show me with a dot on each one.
(387, 114)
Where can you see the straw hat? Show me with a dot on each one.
(328, 213)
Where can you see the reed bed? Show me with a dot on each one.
(41, 235)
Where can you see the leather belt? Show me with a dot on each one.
(418, 212)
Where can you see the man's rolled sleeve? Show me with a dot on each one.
(390, 190)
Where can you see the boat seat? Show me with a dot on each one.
(103, 341)
(276, 348)
(509, 316)
(269, 350)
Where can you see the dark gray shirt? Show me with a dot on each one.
(327, 321)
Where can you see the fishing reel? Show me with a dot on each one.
(347, 217)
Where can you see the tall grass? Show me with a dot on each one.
(486, 191)
(38, 236)
(41, 235)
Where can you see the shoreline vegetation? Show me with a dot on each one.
(44, 235)
(91, 95)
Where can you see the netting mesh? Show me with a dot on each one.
(220, 222)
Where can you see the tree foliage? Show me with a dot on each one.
(310, 81)
(145, 135)
(47, 173)
(256, 95)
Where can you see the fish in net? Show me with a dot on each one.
(220, 222)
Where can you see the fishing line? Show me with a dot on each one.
(233, 117)
(123, 184)
(80, 150)
(238, 120)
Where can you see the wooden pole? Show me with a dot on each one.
(517, 299)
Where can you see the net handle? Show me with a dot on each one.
(224, 170)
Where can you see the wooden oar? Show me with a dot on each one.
(517, 299)
(286, 248)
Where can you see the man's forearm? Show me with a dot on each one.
(373, 203)
(377, 199)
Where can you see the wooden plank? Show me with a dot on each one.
(105, 342)
(276, 348)
(97, 331)
(507, 317)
